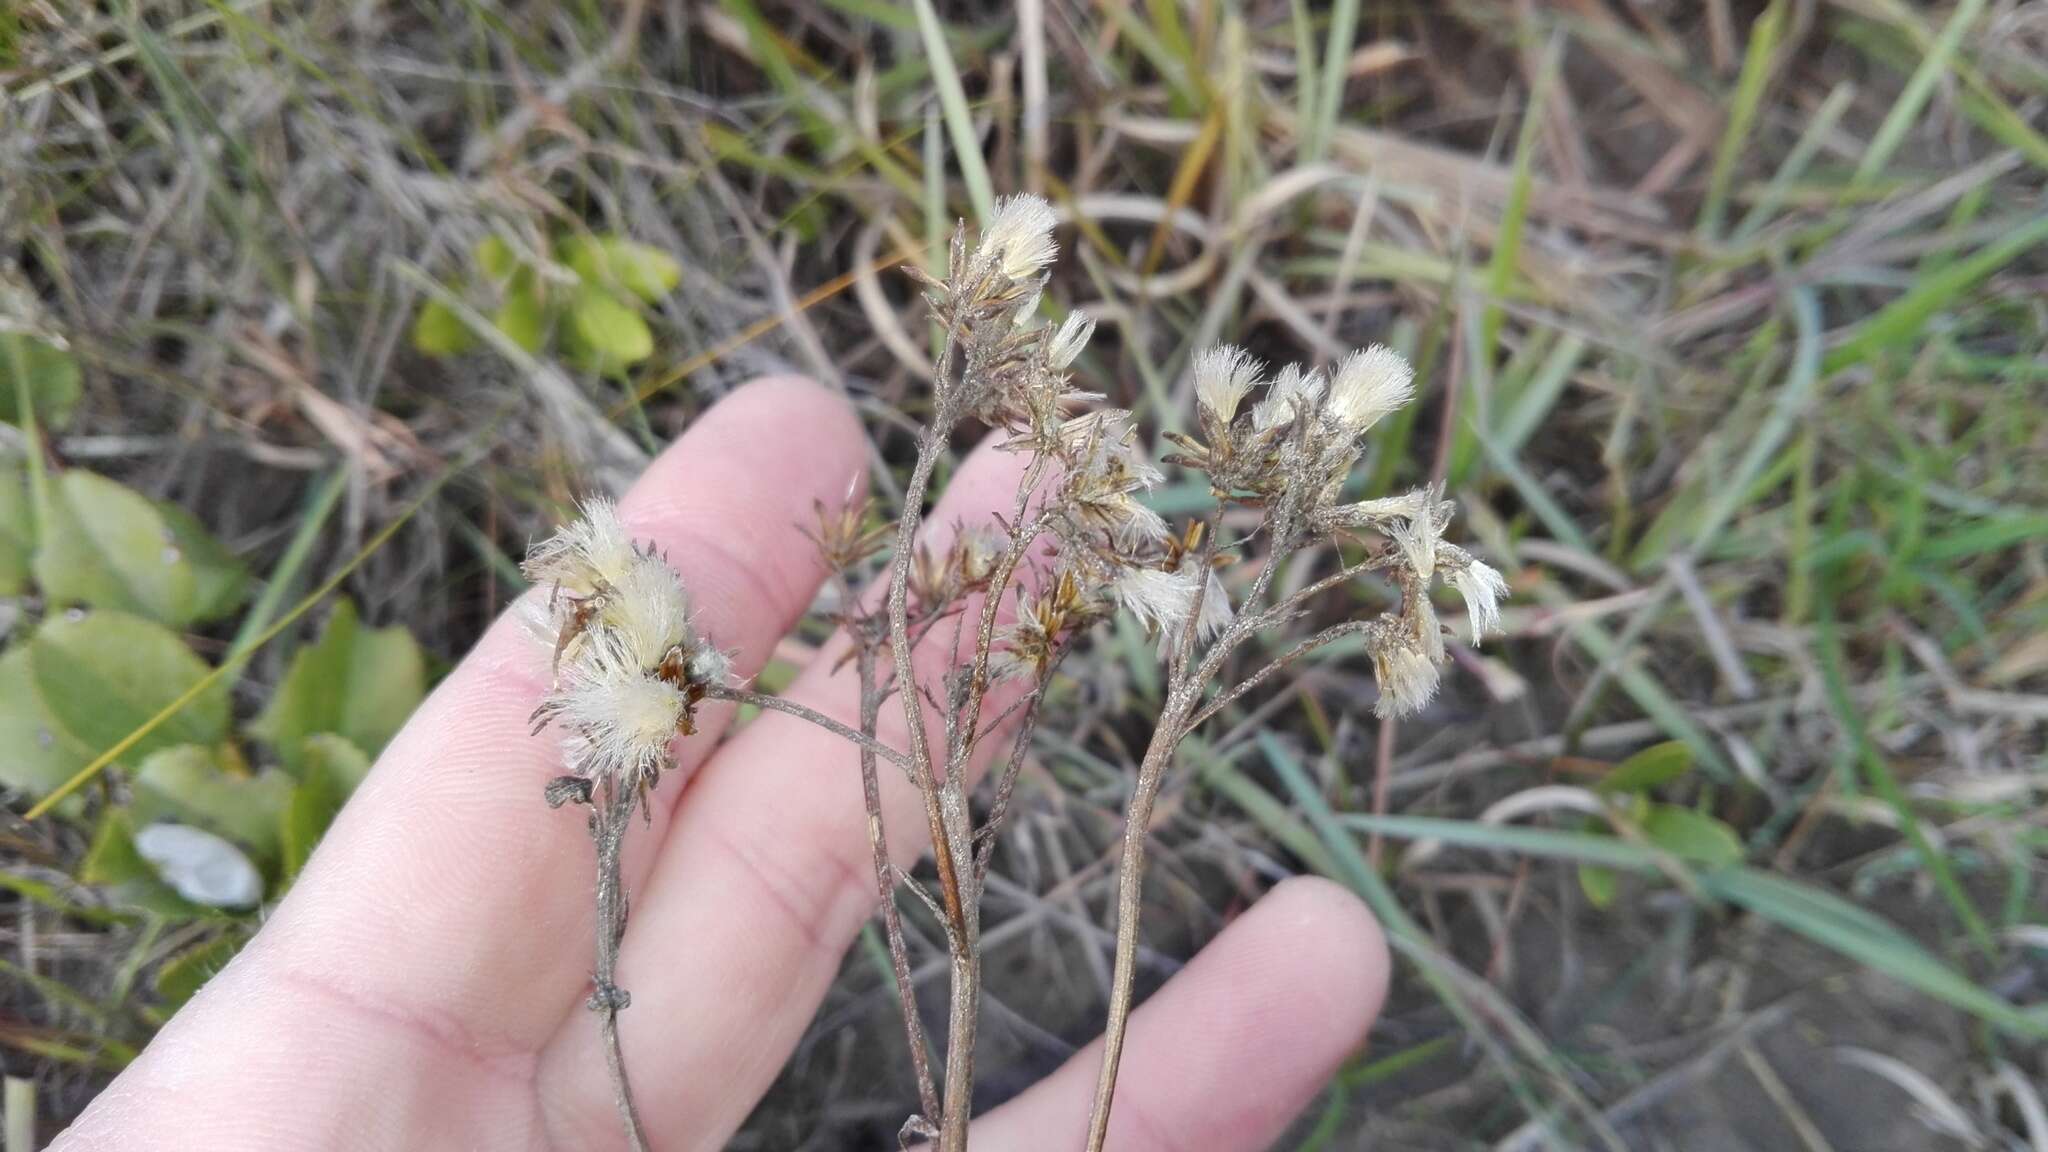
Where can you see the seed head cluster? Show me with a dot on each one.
(630, 666)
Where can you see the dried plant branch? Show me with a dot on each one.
(631, 671)
(868, 743)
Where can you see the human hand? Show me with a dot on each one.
(423, 984)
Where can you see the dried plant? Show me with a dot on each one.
(1077, 545)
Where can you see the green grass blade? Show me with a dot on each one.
(1913, 98)
(1742, 110)
(959, 121)
(1902, 319)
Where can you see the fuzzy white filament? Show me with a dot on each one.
(1223, 375)
(589, 552)
(1161, 601)
(1368, 385)
(1018, 239)
(1482, 587)
(1071, 337)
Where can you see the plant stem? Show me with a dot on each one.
(885, 884)
(608, 825)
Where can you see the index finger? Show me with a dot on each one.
(446, 881)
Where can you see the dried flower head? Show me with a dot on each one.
(1223, 375)
(620, 719)
(1018, 240)
(630, 665)
(1368, 385)
(1407, 678)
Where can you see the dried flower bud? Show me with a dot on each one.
(1366, 386)
(1018, 240)
(1223, 375)
(1293, 392)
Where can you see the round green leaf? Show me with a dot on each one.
(524, 315)
(36, 753)
(1599, 884)
(608, 332)
(107, 546)
(210, 787)
(332, 769)
(1692, 836)
(220, 582)
(1648, 770)
(46, 372)
(360, 683)
(616, 262)
(496, 257)
(439, 331)
(103, 675)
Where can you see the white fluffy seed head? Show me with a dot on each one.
(1018, 239)
(1156, 599)
(1068, 340)
(1406, 677)
(1482, 587)
(1223, 375)
(589, 553)
(1367, 385)
(620, 719)
(1161, 601)
(646, 613)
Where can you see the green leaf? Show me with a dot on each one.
(184, 974)
(36, 753)
(103, 675)
(105, 545)
(1692, 836)
(360, 683)
(332, 769)
(523, 316)
(210, 787)
(48, 373)
(220, 582)
(496, 257)
(439, 331)
(608, 333)
(616, 262)
(1648, 770)
(17, 533)
(1599, 884)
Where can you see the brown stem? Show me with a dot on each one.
(885, 887)
(1130, 882)
(868, 744)
(608, 828)
(964, 945)
(1173, 726)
